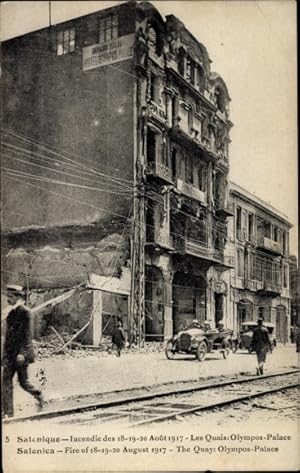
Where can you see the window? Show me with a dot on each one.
(181, 63)
(258, 268)
(251, 266)
(277, 274)
(154, 88)
(189, 169)
(275, 233)
(108, 28)
(184, 118)
(66, 41)
(267, 229)
(240, 263)
(250, 227)
(220, 99)
(238, 221)
(285, 276)
(200, 79)
(174, 162)
(197, 127)
(190, 70)
(151, 146)
(202, 178)
(284, 241)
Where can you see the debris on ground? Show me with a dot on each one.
(45, 347)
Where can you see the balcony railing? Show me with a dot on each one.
(157, 112)
(270, 288)
(225, 209)
(271, 246)
(158, 237)
(191, 191)
(196, 248)
(160, 170)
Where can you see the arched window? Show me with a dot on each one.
(220, 99)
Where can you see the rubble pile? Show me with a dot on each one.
(47, 346)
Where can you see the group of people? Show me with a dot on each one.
(18, 352)
(260, 343)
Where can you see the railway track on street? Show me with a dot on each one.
(167, 405)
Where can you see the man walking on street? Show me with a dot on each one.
(261, 344)
(17, 351)
(118, 338)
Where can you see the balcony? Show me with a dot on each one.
(268, 245)
(160, 170)
(269, 288)
(158, 239)
(156, 112)
(225, 209)
(191, 191)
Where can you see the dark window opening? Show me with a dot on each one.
(181, 63)
(267, 229)
(275, 233)
(151, 146)
(250, 226)
(174, 162)
(190, 70)
(238, 219)
(220, 99)
(189, 170)
(154, 88)
(201, 79)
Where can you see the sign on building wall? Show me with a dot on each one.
(112, 51)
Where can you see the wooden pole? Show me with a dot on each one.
(57, 334)
(73, 337)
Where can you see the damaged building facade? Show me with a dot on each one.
(115, 173)
(259, 282)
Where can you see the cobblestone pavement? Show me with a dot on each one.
(64, 377)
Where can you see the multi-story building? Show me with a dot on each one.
(259, 283)
(111, 118)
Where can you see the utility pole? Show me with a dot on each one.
(138, 261)
(138, 241)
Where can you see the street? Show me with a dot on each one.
(96, 373)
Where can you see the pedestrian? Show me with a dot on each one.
(195, 324)
(18, 350)
(221, 326)
(118, 338)
(260, 343)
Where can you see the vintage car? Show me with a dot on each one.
(198, 342)
(246, 333)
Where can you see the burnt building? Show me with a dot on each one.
(114, 126)
(258, 235)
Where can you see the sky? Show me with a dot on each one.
(253, 46)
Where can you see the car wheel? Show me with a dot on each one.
(169, 351)
(201, 351)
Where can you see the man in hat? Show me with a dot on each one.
(195, 324)
(18, 350)
(261, 343)
(118, 338)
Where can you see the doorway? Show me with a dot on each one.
(218, 308)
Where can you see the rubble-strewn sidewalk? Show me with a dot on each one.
(85, 372)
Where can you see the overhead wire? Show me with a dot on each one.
(60, 155)
(16, 152)
(68, 197)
